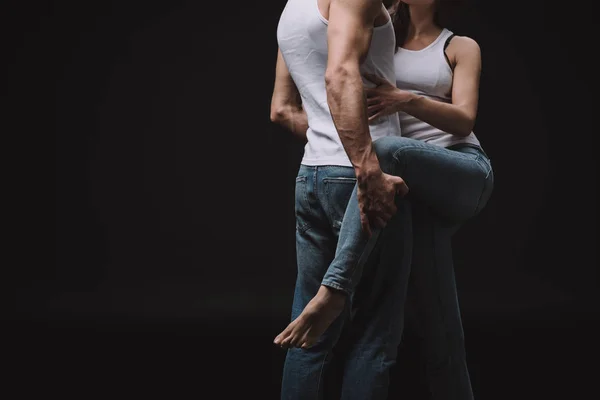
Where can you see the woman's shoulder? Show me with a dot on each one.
(464, 45)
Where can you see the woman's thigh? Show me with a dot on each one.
(451, 182)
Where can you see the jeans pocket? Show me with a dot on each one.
(488, 184)
(301, 207)
(338, 191)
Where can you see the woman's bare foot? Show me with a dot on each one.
(314, 320)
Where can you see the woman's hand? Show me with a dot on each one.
(383, 99)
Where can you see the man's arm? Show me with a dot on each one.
(286, 106)
(348, 38)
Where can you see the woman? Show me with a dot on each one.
(450, 180)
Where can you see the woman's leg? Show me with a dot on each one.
(433, 295)
(454, 184)
(458, 185)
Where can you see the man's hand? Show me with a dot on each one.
(376, 199)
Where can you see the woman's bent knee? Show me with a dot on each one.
(387, 147)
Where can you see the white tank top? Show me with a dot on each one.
(426, 72)
(302, 39)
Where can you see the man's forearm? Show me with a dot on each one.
(298, 124)
(286, 103)
(347, 103)
(294, 119)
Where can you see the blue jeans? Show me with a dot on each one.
(447, 187)
(436, 318)
(322, 194)
(453, 185)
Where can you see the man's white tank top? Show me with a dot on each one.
(426, 72)
(302, 39)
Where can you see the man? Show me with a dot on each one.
(324, 48)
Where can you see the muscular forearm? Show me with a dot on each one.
(447, 117)
(286, 103)
(293, 118)
(345, 96)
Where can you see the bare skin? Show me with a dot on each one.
(286, 105)
(314, 320)
(350, 29)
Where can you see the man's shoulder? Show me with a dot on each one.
(372, 6)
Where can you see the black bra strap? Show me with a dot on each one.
(448, 41)
(446, 45)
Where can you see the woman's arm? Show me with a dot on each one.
(286, 106)
(458, 117)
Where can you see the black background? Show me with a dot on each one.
(175, 256)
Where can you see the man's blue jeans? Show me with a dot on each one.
(322, 194)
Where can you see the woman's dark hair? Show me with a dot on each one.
(445, 12)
